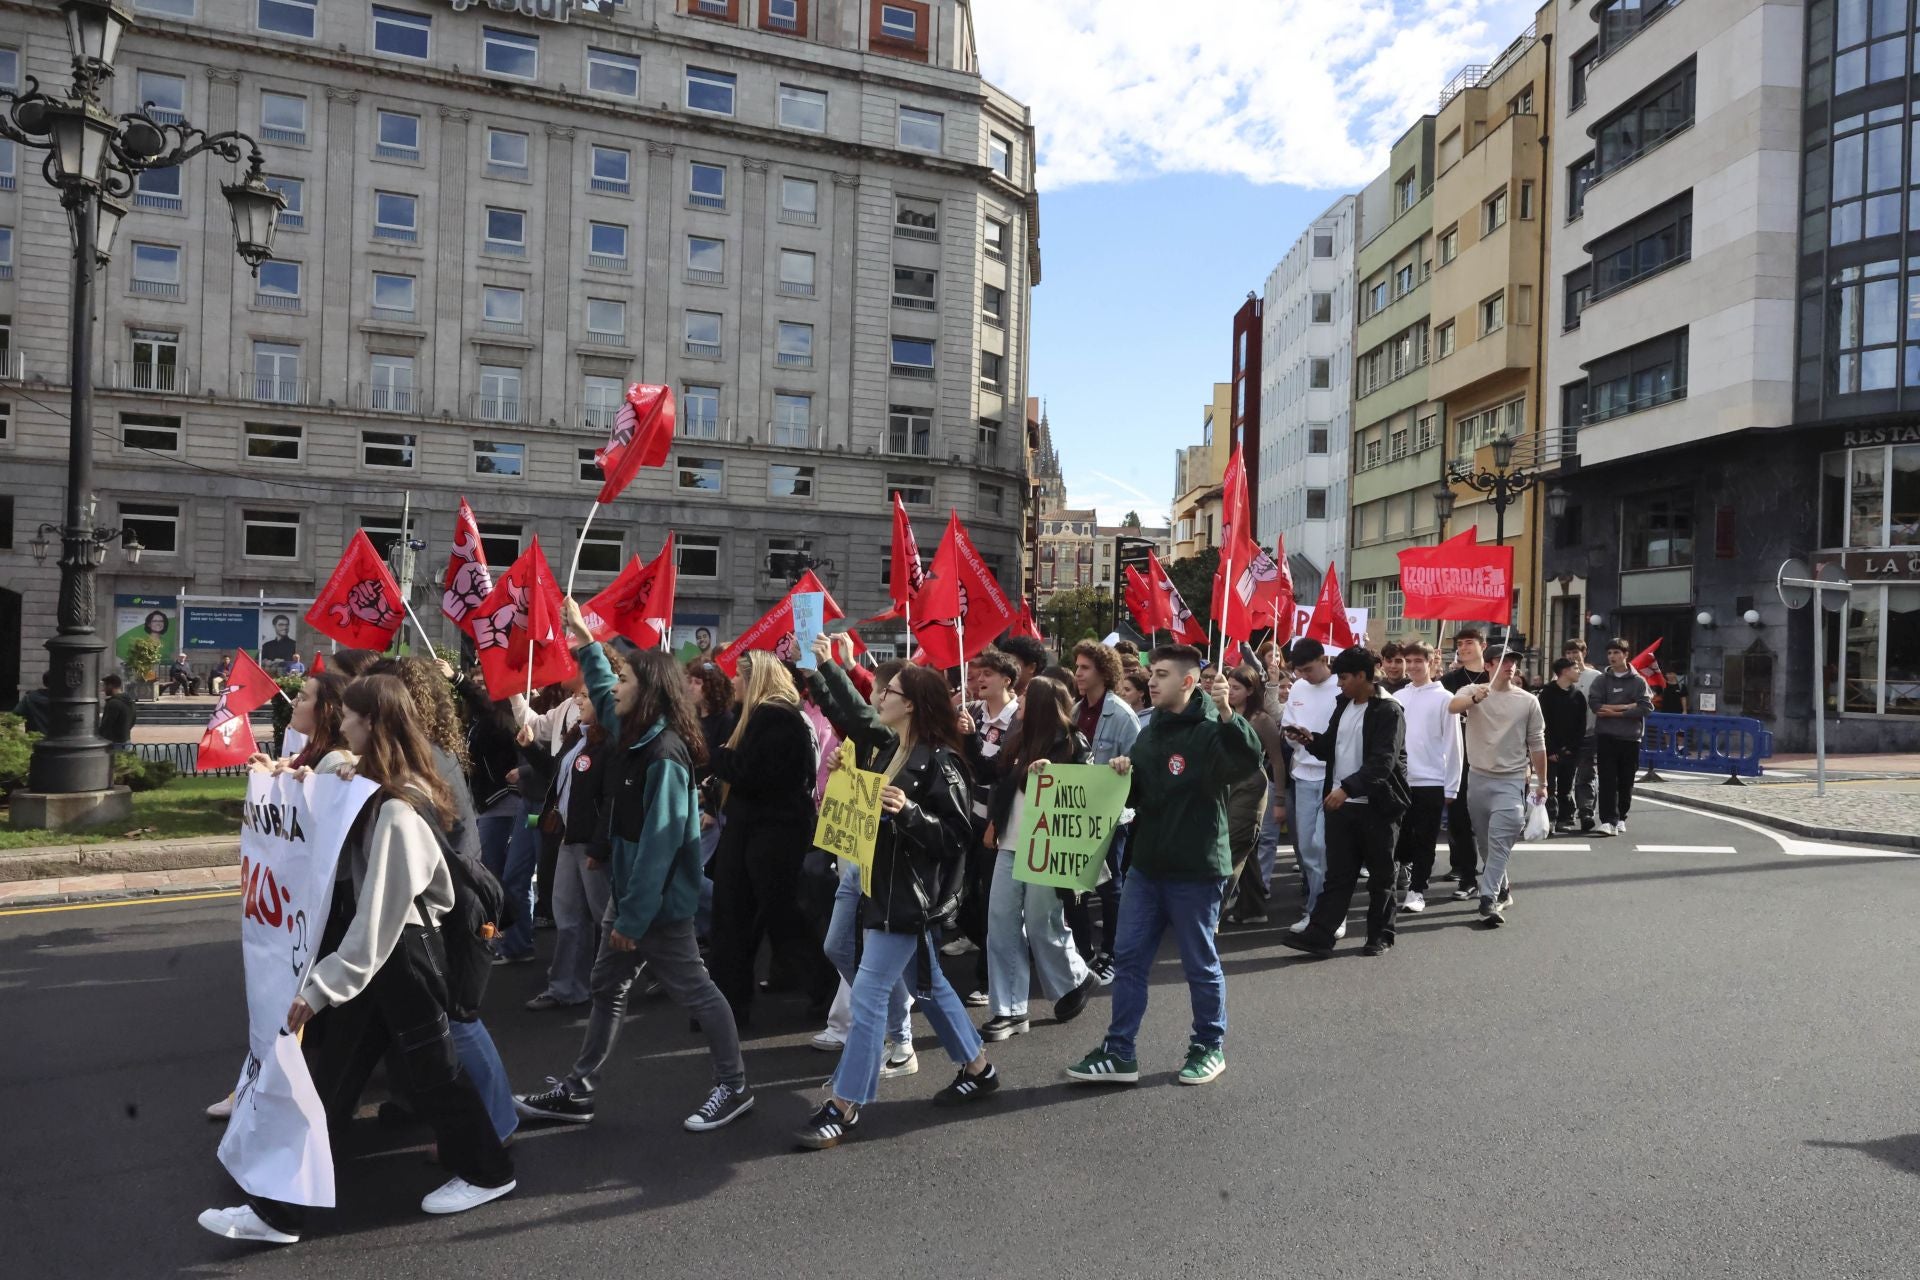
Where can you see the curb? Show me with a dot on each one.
(118, 895)
(1807, 831)
(56, 862)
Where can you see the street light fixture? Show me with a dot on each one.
(1557, 503)
(93, 159)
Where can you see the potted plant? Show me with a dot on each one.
(143, 664)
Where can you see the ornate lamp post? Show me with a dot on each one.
(1503, 486)
(92, 160)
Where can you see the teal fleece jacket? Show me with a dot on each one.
(653, 816)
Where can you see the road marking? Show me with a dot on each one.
(1685, 848)
(1555, 846)
(1790, 845)
(151, 900)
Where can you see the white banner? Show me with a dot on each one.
(290, 837)
(1356, 619)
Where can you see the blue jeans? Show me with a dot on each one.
(1148, 908)
(1267, 852)
(842, 929)
(1309, 836)
(481, 1061)
(884, 960)
(1022, 916)
(516, 880)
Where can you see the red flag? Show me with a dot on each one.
(360, 606)
(907, 573)
(959, 597)
(1146, 608)
(1024, 625)
(319, 664)
(1170, 608)
(467, 581)
(229, 737)
(639, 603)
(1329, 623)
(1246, 584)
(773, 633)
(1276, 606)
(1648, 665)
(642, 437)
(519, 624)
(1458, 579)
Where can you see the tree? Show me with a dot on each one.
(1076, 614)
(1132, 520)
(1193, 579)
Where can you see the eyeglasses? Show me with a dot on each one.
(889, 690)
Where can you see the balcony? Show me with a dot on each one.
(698, 201)
(7, 182)
(409, 155)
(291, 221)
(405, 235)
(496, 408)
(265, 389)
(929, 234)
(168, 379)
(514, 327)
(390, 399)
(598, 417)
(146, 200)
(794, 218)
(907, 302)
(508, 172)
(506, 249)
(915, 372)
(601, 262)
(13, 365)
(275, 133)
(695, 276)
(610, 186)
(607, 339)
(795, 289)
(703, 350)
(152, 288)
(277, 301)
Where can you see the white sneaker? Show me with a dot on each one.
(977, 1000)
(220, 1111)
(829, 1042)
(1300, 925)
(459, 1195)
(1607, 829)
(958, 947)
(1341, 932)
(895, 1067)
(1620, 827)
(242, 1223)
(1416, 902)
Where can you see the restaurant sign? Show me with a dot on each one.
(1901, 564)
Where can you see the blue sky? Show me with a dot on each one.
(1182, 150)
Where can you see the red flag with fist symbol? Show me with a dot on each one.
(642, 437)
(360, 606)
(519, 626)
(468, 581)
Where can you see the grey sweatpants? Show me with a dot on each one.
(673, 956)
(1498, 805)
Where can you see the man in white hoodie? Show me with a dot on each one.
(1310, 707)
(1433, 771)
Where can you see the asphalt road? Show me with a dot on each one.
(1692, 1064)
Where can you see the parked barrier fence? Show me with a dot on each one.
(1732, 745)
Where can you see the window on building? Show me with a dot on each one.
(384, 532)
(1579, 178)
(1621, 20)
(909, 430)
(499, 399)
(913, 288)
(166, 8)
(792, 425)
(992, 370)
(987, 438)
(156, 360)
(1493, 314)
(995, 237)
(700, 412)
(706, 260)
(1000, 155)
(899, 23)
(1322, 308)
(1573, 404)
(796, 273)
(1493, 212)
(156, 524)
(1443, 337)
(162, 96)
(1521, 104)
(401, 33)
(912, 357)
(916, 219)
(1316, 504)
(912, 490)
(283, 118)
(1317, 440)
(504, 307)
(1323, 244)
(783, 14)
(993, 304)
(710, 91)
(270, 535)
(1577, 69)
(507, 232)
(699, 475)
(1578, 288)
(1650, 243)
(1863, 326)
(703, 334)
(1649, 119)
(607, 245)
(393, 293)
(1403, 281)
(274, 442)
(697, 555)
(793, 346)
(707, 185)
(500, 543)
(392, 384)
(615, 74)
(151, 432)
(600, 399)
(993, 500)
(1656, 531)
(612, 172)
(293, 190)
(388, 450)
(286, 17)
(1319, 373)
(156, 189)
(276, 373)
(1641, 377)
(1866, 178)
(499, 458)
(921, 130)
(1526, 200)
(396, 216)
(507, 151)
(804, 109)
(1449, 244)
(590, 472)
(601, 550)
(786, 481)
(1377, 297)
(509, 53)
(799, 200)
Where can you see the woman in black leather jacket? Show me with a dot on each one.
(912, 737)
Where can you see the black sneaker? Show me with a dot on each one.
(966, 1088)
(722, 1107)
(1301, 942)
(1102, 967)
(827, 1128)
(1506, 896)
(555, 1104)
(1068, 1006)
(1375, 948)
(1490, 915)
(1586, 826)
(998, 1029)
(1446, 877)
(1468, 889)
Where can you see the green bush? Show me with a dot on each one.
(16, 749)
(135, 774)
(144, 656)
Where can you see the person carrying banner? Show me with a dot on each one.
(651, 845)
(1621, 702)
(1506, 737)
(1469, 651)
(1310, 701)
(1433, 773)
(1105, 720)
(1027, 918)
(381, 976)
(1364, 749)
(912, 736)
(1181, 767)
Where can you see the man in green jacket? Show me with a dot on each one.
(1182, 765)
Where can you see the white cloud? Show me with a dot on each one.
(1305, 92)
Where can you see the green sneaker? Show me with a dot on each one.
(1101, 1067)
(1203, 1064)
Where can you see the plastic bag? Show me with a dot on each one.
(1537, 824)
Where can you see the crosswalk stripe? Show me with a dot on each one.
(1684, 848)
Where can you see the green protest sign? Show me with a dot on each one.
(1068, 823)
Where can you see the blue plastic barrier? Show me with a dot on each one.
(1731, 745)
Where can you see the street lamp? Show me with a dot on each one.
(93, 159)
(1503, 486)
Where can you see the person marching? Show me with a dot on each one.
(912, 736)
(576, 795)
(1506, 735)
(1249, 802)
(1433, 773)
(1104, 719)
(1567, 713)
(1182, 766)
(651, 844)
(1364, 748)
(1621, 703)
(1469, 651)
(1310, 701)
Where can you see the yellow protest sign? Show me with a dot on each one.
(1071, 811)
(850, 816)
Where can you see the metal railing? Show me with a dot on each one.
(907, 302)
(795, 289)
(501, 248)
(697, 276)
(267, 390)
(795, 219)
(601, 262)
(387, 151)
(273, 133)
(390, 399)
(401, 235)
(597, 416)
(13, 365)
(276, 301)
(1733, 745)
(498, 409)
(607, 339)
(153, 288)
(175, 379)
(1473, 75)
(1636, 404)
(792, 360)
(698, 201)
(705, 350)
(185, 758)
(610, 186)
(146, 200)
(905, 232)
(918, 372)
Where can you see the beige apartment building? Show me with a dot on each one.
(1197, 472)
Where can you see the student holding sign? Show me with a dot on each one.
(1181, 767)
(1024, 916)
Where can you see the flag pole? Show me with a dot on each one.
(425, 639)
(580, 542)
(909, 613)
(1226, 608)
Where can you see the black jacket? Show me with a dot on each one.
(116, 718)
(770, 775)
(584, 820)
(919, 858)
(1073, 748)
(1382, 777)
(1565, 711)
(491, 753)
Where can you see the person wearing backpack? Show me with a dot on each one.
(651, 845)
(912, 736)
(381, 975)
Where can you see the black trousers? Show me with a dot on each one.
(1616, 761)
(404, 1010)
(756, 898)
(1462, 857)
(1357, 837)
(1570, 782)
(1420, 836)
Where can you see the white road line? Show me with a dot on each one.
(1791, 845)
(1685, 848)
(1555, 846)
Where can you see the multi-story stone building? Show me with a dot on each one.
(1306, 397)
(1197, 473)
(811, 218)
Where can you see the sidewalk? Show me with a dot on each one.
(1870, 799)
(107, 888)
(117, 857)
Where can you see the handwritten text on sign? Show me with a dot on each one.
(850, 818)
(1071, 810)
